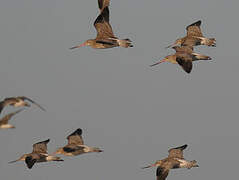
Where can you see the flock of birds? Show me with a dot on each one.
(105, 38)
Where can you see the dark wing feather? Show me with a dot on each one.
(103, 3)
(26, 98)
(177, 152)
(185, 61)
(40, 147)
(194, 29)
(102, 25)
(30, 161)
(161, 173)
(75, 138)
(70, 149)
(6, 118)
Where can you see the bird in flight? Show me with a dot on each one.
(174, 160)
(19, 101)
(105, 37)
(39, 154)
(194, 37)
(76, 145)
(184, 56)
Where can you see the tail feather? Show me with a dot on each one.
(201, 57)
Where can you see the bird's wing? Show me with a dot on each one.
(40, 147)
(194, 29)
(161, 173)
(75, 138)
(177, 152)
(26, 98)
(6, 102)
(186, 49)
(185, 61)
(30, 161)
(103, 3)
(72, 148)
(102, 25)
(6, 118)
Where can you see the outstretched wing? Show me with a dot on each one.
(177, 152)
(103, 3)
(26, 98)
(102, 25)
(6, 118)
(6, 102)
(185, 61)
(161, 173)
(40, 147)
(194, 29)
(75, 138)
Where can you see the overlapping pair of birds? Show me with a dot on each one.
(184, 56)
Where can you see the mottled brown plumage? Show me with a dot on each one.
(18, 101)
(174, 160)
(39, 154)
(194, 37)
(105, 37)
(184, 56)
(4, 121)
(76, 145)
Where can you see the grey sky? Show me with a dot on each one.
(133, 112)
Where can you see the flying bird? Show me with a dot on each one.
(18, 101)
(76, 145)
(184, 56)
(194, 37)
(105, 37)
(4, 121)
(39, 154)
(174, 160)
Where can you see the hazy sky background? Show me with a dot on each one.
(134, 112)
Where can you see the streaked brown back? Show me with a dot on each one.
(194, 29)
(40, 147)
(75, 138)
(177, 152)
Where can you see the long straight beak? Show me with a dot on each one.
(14, 161)
(163, 60)
(152, 165)
(81, 45)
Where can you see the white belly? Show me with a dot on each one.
(6, 126)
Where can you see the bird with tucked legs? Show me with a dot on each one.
(194, 37)
(184, 56)
(105, 37)
(38, 155)
(174, 160)
(76, 145)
